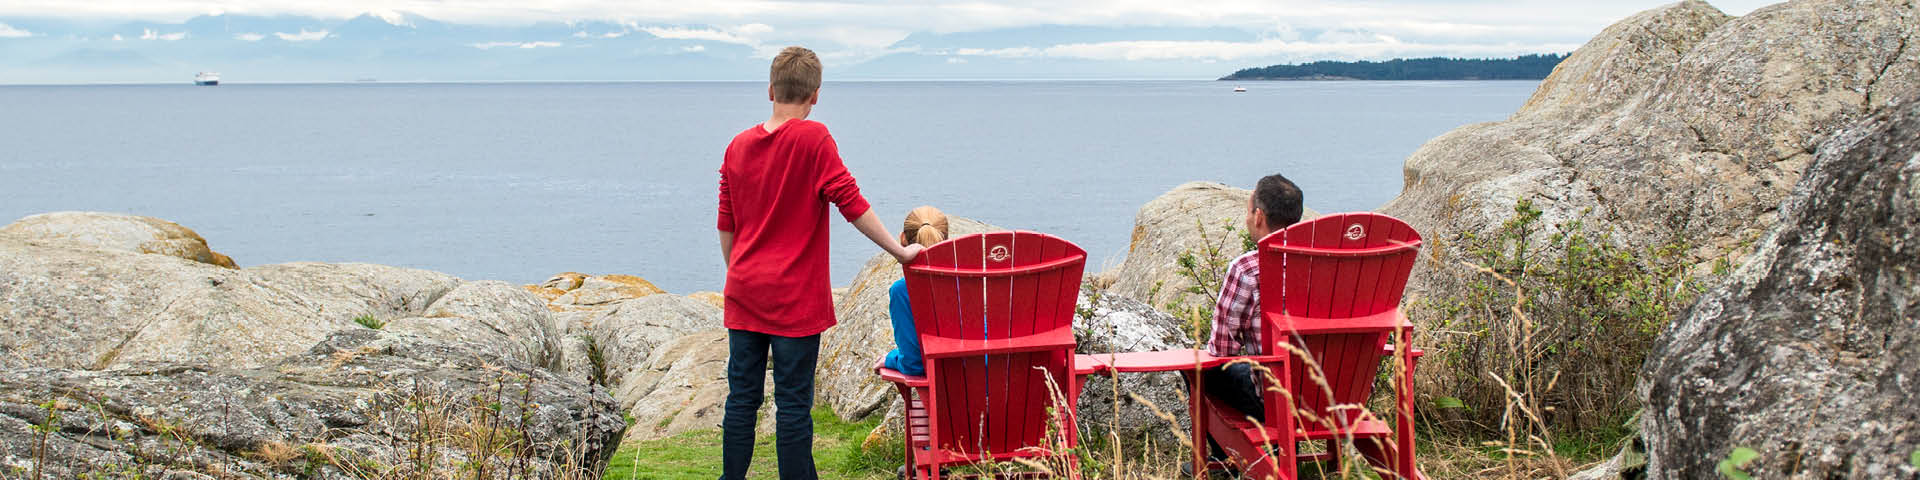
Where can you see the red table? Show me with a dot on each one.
(1184, 360)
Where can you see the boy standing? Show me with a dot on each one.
(775, 184)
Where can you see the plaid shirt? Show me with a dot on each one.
(1236, 319)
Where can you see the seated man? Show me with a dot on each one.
(1275, 205)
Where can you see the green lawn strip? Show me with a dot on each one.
(837, 453)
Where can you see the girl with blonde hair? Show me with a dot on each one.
(924, 226)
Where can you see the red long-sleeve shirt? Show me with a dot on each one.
(774, 191)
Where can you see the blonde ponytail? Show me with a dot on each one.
(925, 226)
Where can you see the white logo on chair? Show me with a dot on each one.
(999, 253)
(1354, 232)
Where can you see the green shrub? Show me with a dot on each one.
(1563, 324)
(369, 321)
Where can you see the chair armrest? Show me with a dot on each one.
(1084, 364)
(894, 376)
(1388, 351)
(1055, 339)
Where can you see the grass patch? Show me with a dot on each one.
(369, 322)
(837, 453)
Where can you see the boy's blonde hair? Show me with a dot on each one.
(796, 75)
(925, 226)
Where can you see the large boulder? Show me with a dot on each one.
(345, 291)
(1808, 353)
(114, 231)
(1676, 123)
(681, 387)
(85, 308)
(865, 332)
(1671, 137)
(1112, 324)
(598, 290)
(500, 316)
(626, 336)
(63, 306)
(1192, 217)
(360, 404)
(608, 325)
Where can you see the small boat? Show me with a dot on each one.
(1239, 89)
(206, 79)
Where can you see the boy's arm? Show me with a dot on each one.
(837, 186)
(725, 223)
(869, 225)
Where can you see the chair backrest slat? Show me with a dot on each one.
(995, 286)
(1352, 277)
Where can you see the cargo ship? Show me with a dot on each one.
(206, 79)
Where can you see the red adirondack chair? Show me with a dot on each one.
(995, 318)
(1330, 288)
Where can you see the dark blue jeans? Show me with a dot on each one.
(793, 361)
(1234, 385)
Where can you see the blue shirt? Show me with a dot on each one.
(906, 358)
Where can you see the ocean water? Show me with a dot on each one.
(516, 182)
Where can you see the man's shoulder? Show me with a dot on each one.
(1251, 259)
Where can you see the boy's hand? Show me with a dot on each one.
(907, 253)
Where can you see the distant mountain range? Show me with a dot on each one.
(1524, 67)
(398, 46)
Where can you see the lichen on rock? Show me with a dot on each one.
(1808, 354)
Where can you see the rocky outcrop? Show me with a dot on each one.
(1808, 353)
(605, 289)
(85, 308)
(351, 407)
(113, 231)
(1189, 218)
(681, 387)
(344, 291)
(1675, 124)
(494, 314)
(627, 335)
(848, 350)
(716, 298)
(1672, 136)
(1112, 324)
(608, 326)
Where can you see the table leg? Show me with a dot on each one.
(1196, 413)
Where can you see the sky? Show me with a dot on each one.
(848, 32)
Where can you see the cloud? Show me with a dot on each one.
(524, 45)
(249, 37)
(118, 38)
(150, 34)
(707, 34)
(303, 36)
(7, 31)
(754, 29)
(695, 48)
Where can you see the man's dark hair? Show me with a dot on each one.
(1280, 199)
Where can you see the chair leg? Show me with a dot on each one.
(1246, 451)
(1333, 454)
(1403, 428)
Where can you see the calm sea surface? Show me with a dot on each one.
(519, 181)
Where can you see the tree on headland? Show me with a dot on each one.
(1524, 67)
